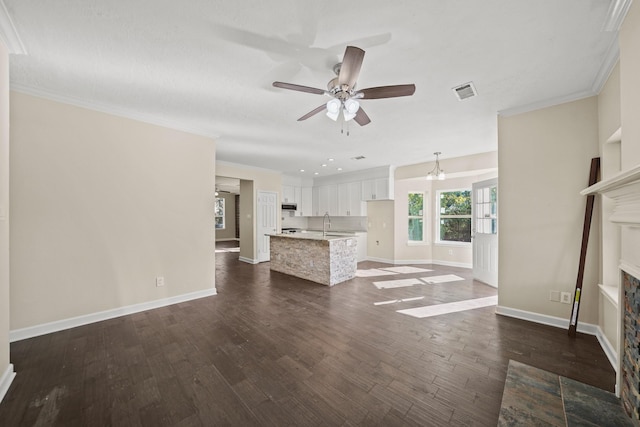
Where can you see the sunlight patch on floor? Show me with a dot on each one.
(452, 307)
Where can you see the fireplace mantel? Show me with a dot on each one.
(624, 189)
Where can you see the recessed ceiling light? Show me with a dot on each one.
(316, 173)
(324, 165)
(331, 160)
(301, 170)
(339, 169)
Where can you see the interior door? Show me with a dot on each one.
(267, 222)
(484, 231)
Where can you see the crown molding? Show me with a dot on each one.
(615, 15)
(608, 64)
(113, 110)
(9, 34)
(546, 103)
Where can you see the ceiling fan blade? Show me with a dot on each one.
(313, 112)
(350, 68)
(298, 88)
(388, 91)
(361, 117)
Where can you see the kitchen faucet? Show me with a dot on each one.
(325, 218)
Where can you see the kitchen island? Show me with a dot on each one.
(325, 259)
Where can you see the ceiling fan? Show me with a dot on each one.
(343, 92)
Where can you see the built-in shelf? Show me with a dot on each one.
(624, 189)
(615, 137)
(611, 292)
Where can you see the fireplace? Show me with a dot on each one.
(620, 251)
(630, 392)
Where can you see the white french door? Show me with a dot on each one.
(267, 221)
(484, 231)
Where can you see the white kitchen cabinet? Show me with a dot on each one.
(375, 189)
(305, 205)
(300, 196)
(362, 246)
(350, 199)
(327, 200)
(288, 194)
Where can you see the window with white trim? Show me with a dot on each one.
(416, 228)
(454, 216)
(220, 213)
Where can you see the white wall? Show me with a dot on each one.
(101, 206)
(6, 370)
(544, 160)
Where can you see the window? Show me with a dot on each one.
(219, 213)
(416, 217)
(455, 216)
(486, 210)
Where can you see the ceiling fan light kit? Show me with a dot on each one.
(342, 90)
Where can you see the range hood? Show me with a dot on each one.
(289, 206)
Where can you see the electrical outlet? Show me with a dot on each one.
(159, 281)
(450, 251)
(554, 296)
(565, 297)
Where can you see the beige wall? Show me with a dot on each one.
(247, 227)
(380, 230)
(475, 164)
(4, 212)
(101, 206)
(257, 180)
(544, 159)
(229, 231)
(630, 91)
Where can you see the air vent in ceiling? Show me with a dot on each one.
(465, 91)
(357, 158)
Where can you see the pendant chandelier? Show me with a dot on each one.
(436, 172)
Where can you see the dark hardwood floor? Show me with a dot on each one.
(275, 350)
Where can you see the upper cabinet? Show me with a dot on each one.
(350, 202)
(300, 196)
(325, 200)
(288, 193)
(376, 189)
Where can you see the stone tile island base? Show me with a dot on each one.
(324, 260)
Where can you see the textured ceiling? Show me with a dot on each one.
(207, 67)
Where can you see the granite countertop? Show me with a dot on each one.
(316, 236)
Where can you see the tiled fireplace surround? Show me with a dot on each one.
(623, 190)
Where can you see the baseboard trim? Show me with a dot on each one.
(248, 260)
(72, 322)
(6, 380)
(420, 262)
(608, 349)
(228, 239)
(543, 319)
(384, 260)
(452, 264)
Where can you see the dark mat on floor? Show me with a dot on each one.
(534, 397)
